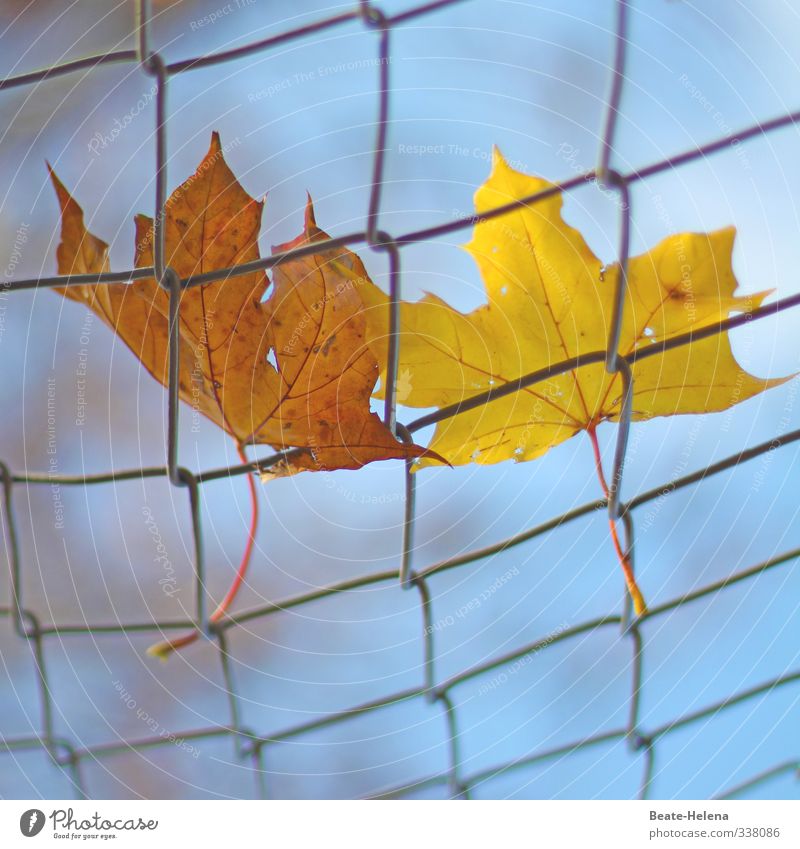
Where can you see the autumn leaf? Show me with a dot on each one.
(549, 299)
(292, 371)
(133, 318)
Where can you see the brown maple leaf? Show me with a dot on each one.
(292, 371)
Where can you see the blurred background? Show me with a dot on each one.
(530, 77)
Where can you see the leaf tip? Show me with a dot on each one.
(54, 178)
(310, 219)
(215, 155)
(63, 195)
(726, 236)
(427, 454)
(499, 162)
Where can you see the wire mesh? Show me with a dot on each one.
(251, 747)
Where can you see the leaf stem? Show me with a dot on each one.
(241, 572)
(639, 605)
(164, 649)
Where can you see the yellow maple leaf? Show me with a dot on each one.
(549, 299)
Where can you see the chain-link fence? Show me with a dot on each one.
(250, 746)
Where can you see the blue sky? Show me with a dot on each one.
(530, 78)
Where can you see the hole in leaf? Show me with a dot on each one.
(268, 291)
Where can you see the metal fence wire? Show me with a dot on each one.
(250, 746)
